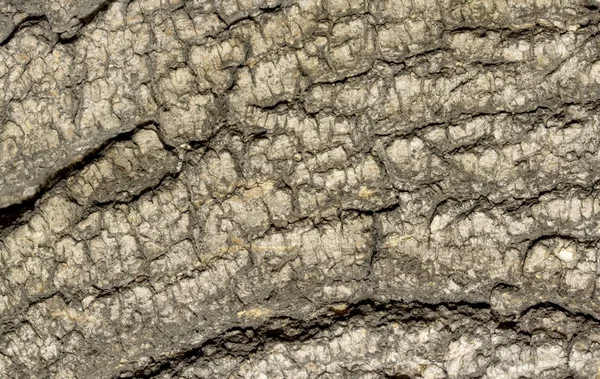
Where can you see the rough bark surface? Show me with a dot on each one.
(299, 189)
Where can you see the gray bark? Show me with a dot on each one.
(299, 189)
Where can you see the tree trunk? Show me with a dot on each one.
(299, 189)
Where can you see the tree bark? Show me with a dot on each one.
(299, 189)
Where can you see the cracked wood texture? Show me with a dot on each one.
(299, 189)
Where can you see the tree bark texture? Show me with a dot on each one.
(299, 189)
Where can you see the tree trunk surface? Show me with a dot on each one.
(299, 189)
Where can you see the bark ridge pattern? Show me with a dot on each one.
(299, 189)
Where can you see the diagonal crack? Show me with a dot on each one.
(247, 340)
(15, 213)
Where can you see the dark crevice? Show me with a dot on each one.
(84, 19)
(169, 176)
(28, 21)
(90, 15)
(243, 341)
(84, 16)
(506, 325)
(17, 214)
(548, 305)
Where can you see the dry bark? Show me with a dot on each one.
(299, 189)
